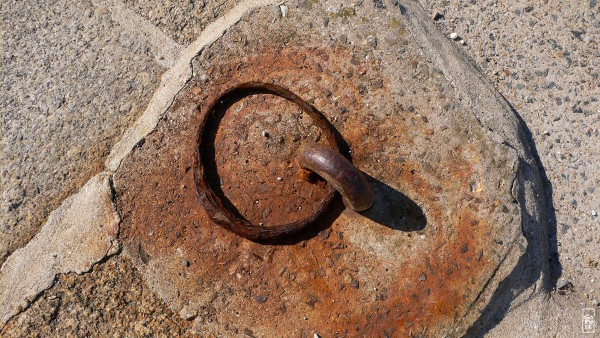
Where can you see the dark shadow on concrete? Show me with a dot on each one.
(541, 258)
(393, 209)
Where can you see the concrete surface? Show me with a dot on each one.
(77, 235)
(478, 137)
(72, 80)
(542, 58)
(182, 20)
(109, 301)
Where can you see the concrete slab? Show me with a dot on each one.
(72, 80)
(407, 102)
(183, 20)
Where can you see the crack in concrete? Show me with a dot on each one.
(83, 231)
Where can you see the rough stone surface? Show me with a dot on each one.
(544, 59)
(72, 81)
(63, 257)
(110, 301)
(163, 47)
(183, 20)
(172, 82)
(80, 233)
(468, 167)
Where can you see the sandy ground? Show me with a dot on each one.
(75, 77)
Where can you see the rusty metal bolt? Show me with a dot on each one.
(339, 172)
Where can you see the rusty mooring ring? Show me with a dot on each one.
(230, 218)
(339, 172)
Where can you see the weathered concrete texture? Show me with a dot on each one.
(549, 76)
(363, 57)
(72, 81)
(110, 301)
(170, 86)
(531, 277)
(81, 232)
(183, 20)
(544, 59)
(172, 82)
(164, 48)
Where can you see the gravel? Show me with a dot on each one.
(261, 298)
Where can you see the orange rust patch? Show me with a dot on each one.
(255, 145)
(382, 271)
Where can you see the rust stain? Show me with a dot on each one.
(335, 282)
(212, 166)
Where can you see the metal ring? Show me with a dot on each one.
(212, 202)
(339, 172)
